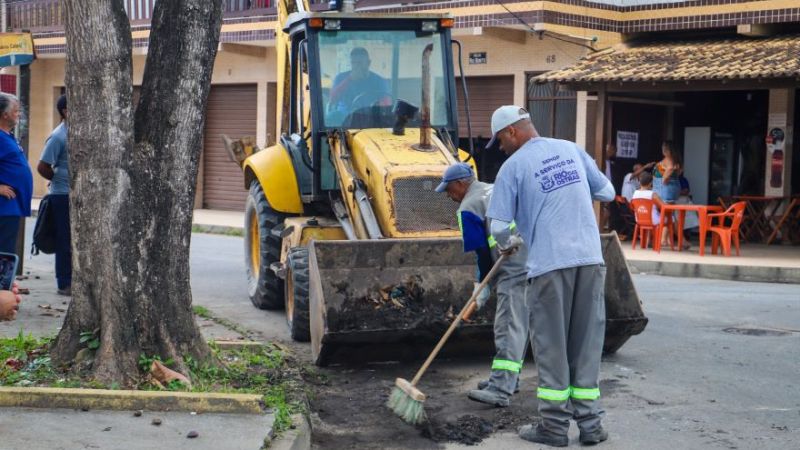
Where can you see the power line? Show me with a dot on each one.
(542, 32)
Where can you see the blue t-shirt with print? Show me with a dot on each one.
(15, 172)
(56, 154)
(546, 187)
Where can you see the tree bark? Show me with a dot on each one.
(133, 178)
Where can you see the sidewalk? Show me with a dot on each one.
(758, 262)
(212, 219)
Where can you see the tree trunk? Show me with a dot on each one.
(133, 181)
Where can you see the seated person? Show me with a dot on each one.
(359, 87)
(690, 220)
(631, 181)
(646, 191)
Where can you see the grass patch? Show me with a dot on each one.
(264, 370)
(202, 312)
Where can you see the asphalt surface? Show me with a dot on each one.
(717, 366)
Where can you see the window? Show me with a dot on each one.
(553, 109)
(364, 73)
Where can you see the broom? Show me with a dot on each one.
(406, 400)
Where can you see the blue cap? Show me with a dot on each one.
(455, 172)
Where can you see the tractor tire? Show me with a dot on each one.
(262, 248)
(297, 294)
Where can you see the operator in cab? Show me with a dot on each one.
(359, 87)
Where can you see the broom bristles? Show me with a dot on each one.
(405, 407)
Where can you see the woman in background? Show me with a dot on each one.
(666, 174)
(16, 178)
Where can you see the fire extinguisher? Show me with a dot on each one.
(775, 140)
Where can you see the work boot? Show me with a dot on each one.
(483, 384)
(541, 435)
(490, 396)
(594, 437)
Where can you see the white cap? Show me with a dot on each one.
(505, 116)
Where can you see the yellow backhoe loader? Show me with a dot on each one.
(343, 228)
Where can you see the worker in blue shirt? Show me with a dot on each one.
(511, 313)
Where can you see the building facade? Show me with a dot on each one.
(506, 44)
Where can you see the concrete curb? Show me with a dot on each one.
(218, 229)
(298, 438)
(238, 345)
(123, 400)
(717, 271)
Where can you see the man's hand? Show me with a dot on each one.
(483, 296)
(514, 243)
(7, 191)
(9, 305)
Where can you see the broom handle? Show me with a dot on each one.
(457, 320)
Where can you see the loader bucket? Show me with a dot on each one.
(624, 314)
(392, 299)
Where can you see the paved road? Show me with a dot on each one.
(717, 366)
(684, 383)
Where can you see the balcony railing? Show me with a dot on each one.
(41, 15)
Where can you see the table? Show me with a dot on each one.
(759, 216)
(793, 218)
(702, 216)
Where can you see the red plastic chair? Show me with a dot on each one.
(645, 228)
(726, 234)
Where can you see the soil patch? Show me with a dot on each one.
(467, 429)
(349, 407)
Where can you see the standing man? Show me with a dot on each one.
(547, 186)
(511, 316)
(54, 166)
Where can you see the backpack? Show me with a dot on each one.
(44, 232)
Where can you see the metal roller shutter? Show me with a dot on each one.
(485, 95)
(231, 110)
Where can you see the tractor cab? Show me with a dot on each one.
(364, 71)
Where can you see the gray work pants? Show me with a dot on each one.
(510, 333)
(567, 311)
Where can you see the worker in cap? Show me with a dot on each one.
(546, 186)
(511, 318)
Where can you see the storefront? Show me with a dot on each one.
(727, 104)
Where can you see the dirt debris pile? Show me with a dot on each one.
(400, 306)
(467, 429)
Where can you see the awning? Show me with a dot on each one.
(737, 58)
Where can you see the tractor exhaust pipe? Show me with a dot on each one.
(425, 110)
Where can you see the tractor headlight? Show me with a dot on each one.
(333, 24)
(430, 26)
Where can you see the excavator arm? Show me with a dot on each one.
(283, 49)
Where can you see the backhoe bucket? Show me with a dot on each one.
(624, 314)
(392, 299)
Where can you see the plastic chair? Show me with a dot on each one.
(645, 228)
(726, 234)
